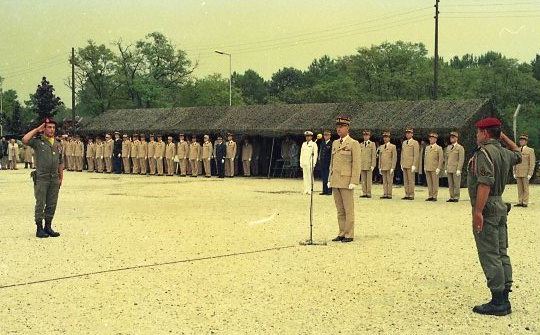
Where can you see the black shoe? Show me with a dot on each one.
(518, 205)
(323, 193)
(524, 205)
(498, 305)
(405, 198)
(450, 200)
(338, 238)
(363, 196)
(368, 196)
(347, 240)
(48, 229)
(40, 233)
(383, 197)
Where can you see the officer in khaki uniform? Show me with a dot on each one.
(368, 160)
(134, 153)
(247, 153)
(524, 171)
(48, 175)
(70, 160)
(433, 165)
(344, 177)
(64, 141)
(487, 175)
(410, 156)
(151, 153)
(90, 154)
(126, 152)
(79, 154)
(182, 150)
(455, 157)
(99, 155)
(194, 156)
(207, 150)
(230, 157)
(142, 152)
(170, 152)
(159, 153)
(28, 157)
(387, 164)
(108, 152)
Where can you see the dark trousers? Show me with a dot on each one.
(117, 164)
(220, 168)
(325, 172)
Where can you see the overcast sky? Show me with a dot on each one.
(36, 36)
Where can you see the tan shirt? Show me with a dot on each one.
(151, 149)
(207, 150)
(368, 155)
(28, 154)
(69, 148)
(134, 149)
(526, 167)
(126, 148)
(194, 151)
(182, 149)
(91, 150)
(108, 148)
(159, 149)
(410, 153)
(345, 163)
(231, 150)
(455, 157)
(247, 152)
(142, 152)
(433, 158)
(78, 150)
(170, 150)
(99, 150)
(387, 157)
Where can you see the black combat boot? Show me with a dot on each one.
(506, 294)
(39, 231)
(498, 305)
(49, 230)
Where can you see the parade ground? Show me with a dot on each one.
(160, 255)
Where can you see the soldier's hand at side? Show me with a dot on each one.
(413, 168)
(478, 221)
(391, 171)
(458, 173)
(401, 166)
(60, 182)
(328, 184)
(437, 171)
(351, 186)
(445, 171)
(372, 168)
(529, 177)
(514, 175)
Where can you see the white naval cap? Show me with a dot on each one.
(308, 133)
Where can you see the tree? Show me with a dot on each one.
(44, 102)
(212, 90)
(252, 86)
(286, 85)
(15, 122)
(536, 67)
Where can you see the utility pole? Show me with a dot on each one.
(73, 86)
(230, 73)
(436, 59)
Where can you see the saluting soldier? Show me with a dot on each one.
(230, 157)
(182, 152)
(207, 151)
(410, 154)
(194, 156)
(433, 164)
(99, 154)
(524, 171)
(134, 153)
(108, 152)
(455, 157)
(247, 153)
(324, 160)
(90, 154)
(48, 175)
(387, 164)
(344, 177)
(143, 155)
(486, 180)
(126, 150)
(221, 152)
(159, 154)
(152, 155)
(170, 152)
(368, 160)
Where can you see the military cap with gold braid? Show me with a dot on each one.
(454, 133)
(343, 120)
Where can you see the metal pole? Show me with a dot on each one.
(230, 80)
(73, 86)
(436, 60)
(271, 156)
(514, 122)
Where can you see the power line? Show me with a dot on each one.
(16, 68)
(28, 71)
(490, 17)
(491, 4)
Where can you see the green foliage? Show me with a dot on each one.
(44, 102)
(212, 90)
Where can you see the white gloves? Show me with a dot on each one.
(222, 161)
(372, 168)
(458, 173)
(351, 186)
(249, 159)
(391, 171)
(514, 175)
(445, 171)
(401, 166)
(413, 168)
(529, 177)
(328, 184)
(437, 171)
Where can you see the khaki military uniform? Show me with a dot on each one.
(410, 155)
(99, 156)
(134, 154)
(455, 157)
(79, 154)
(229, 158)
(489, 166)
(170, 152)
(151, 151)
(70, 160)
(107, 154)
(64, 143)
(126, 152)
(194, 158)
(433, 165)
(159, 153)
(345, 170)
(247, 153)
(182, 152)
(142, 153)
(368, 160)
(47, 178)
(13, 155)
(387, 165)
(207, 150)
(522, 171)
(90, 156)
(28, 154)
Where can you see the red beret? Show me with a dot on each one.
(488, 123)
(49, 120)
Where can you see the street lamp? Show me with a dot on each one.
(230, 73)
